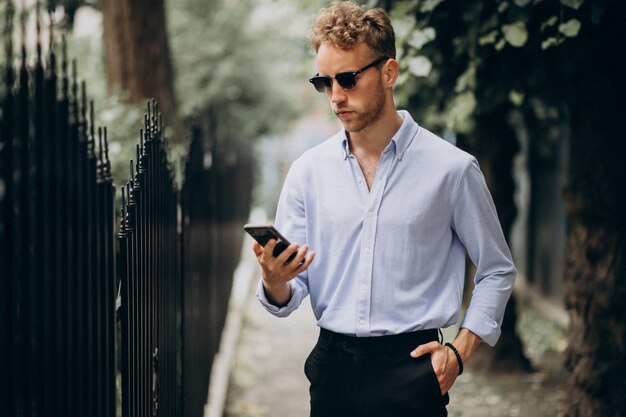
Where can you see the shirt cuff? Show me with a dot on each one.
(482, 325)
(283, 311)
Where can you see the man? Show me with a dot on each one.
(390, 210)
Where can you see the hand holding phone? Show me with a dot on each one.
(264, 233)
(275, 276)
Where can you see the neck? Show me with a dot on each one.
(374, 138)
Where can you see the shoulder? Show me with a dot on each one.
(440, 154)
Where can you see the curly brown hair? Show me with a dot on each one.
(344, 24)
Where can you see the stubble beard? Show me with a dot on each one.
(370, 115)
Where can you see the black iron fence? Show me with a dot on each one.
(150, 280)
(62, 268)
(57, 249)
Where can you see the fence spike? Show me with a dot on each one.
(130, 190)
(123, 212)
(107, 161)
(139, 164)
(91, 132)
(106, 147)
(100, 147)
(82, 114)
(146, 126)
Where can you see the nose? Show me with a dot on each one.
(336, 93)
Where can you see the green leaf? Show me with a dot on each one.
(467, 80)
(502, 7)
(515, 34)
(522, 3)
(570, 28)
(551, 41)
(516, 97)
(421, 37)
(501, 43)
(574, 4)
(420, 66)
(491, 37)
(549, 23)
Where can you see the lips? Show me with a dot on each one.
(342, 114)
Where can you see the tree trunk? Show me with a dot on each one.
(596, 289)
(494, 144)
(595, 266)
(137, 53)
(595, 275)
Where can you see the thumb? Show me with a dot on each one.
(421, 350)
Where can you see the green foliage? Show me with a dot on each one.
(239, 63)
(231, 68)
(462, 59)
(515, 34)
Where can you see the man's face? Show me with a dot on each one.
(363, 104)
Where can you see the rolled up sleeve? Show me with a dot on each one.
(476, 224)
(298, 293)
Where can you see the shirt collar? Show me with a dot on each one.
(399, 142)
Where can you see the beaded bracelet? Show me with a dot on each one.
(458, 356)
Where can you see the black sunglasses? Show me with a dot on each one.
(346, 80)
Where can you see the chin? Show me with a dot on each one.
(353, 126)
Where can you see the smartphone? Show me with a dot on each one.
(263, 233)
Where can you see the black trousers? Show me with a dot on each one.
(373, 377)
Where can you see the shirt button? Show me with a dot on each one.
(359, 179)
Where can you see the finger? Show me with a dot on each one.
(256, 248)
(297, 261)
(424, 349)
(268, 249)
(285, 254)
(306, 263)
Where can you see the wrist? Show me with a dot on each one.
(457, 355)
(278, 294)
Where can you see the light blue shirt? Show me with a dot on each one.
(392, 259)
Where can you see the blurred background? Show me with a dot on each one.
(533, 88)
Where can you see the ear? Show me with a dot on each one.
(390, 72)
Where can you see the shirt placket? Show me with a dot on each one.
(368, 239)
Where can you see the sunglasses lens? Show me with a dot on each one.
(321, 83)
(346, 80)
